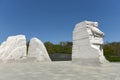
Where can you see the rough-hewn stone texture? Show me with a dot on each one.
(37, 50)
(13, 48)
(88, 44)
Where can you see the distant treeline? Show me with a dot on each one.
(62, 47)
(111, 50)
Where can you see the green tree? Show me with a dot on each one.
(62, 47)
(50, 47)
(108, 51)
(66, 47)
(112, 51)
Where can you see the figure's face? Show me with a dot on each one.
(94, 24)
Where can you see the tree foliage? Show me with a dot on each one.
(62, 47)
(112, 51)
(50, 47)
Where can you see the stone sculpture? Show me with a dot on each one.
(88, 44)
(37, 50)
(13, 48)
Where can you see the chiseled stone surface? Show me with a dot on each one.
(58, 71)
(13, 48)
(37, 50)
(88, 44)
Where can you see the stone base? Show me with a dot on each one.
(90, 61)
(22, 60)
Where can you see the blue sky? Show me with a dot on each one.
(54, 20)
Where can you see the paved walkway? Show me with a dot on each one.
(58, 71)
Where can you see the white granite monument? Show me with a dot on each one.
(88, 44)
(14, 49)
(37, 50)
